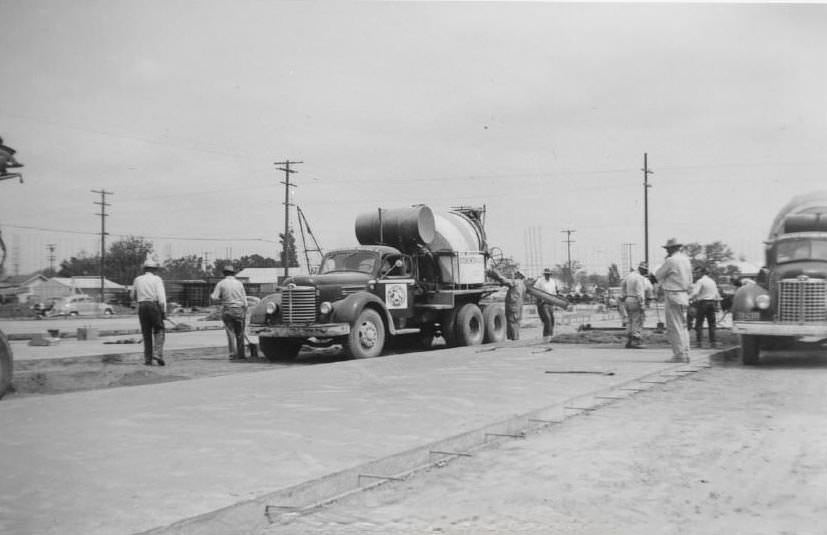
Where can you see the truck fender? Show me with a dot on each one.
(744, 298)
(348, 309)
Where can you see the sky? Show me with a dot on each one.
(540, 111)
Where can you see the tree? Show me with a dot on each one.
(81, 265)
(184, 268)
(125, 259)
(288, 254)
(256, 261)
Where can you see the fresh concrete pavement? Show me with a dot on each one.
(226, 454)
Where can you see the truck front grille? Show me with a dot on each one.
(802, 300)
(298, 305)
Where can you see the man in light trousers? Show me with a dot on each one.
(675, 278)
(230, 294)
(636, 291)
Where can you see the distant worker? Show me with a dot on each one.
(148, 292)
(230, 294)
(706, 299)
(636, 291)
(514, 298)
(675, 277)
(545, 309)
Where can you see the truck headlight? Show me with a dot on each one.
(271, 308)
(325, 307)
(762, 301)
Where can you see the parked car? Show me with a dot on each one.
(79, 305)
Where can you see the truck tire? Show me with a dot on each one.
(493, 317)
(750, 349)
(5, 365)
(469, 326)
(367, 336)
(279, 349)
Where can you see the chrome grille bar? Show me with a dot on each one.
(298, 305)
(802, 300)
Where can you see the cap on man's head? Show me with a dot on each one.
(518, 275)
(672, 243)
(643, 266)
(228, 268)
(547, 271)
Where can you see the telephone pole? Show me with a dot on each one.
(51, 248)
(646, 186)
(568, 242)
(287, 204)
(103, 204)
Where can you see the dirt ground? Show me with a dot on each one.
(729, 450)
(56, 376)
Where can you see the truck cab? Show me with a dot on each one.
(787, 306)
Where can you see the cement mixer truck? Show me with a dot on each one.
(787, 307)
(416, 273)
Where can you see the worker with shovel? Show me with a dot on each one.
(230, 294)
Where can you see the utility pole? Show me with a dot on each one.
(103, 204)
(569, 241)
(206, 267)
(627, 250)
(51, 248)
(287, 204)
(646, 186)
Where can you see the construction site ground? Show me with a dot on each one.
(233, 450)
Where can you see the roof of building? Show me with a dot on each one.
(88, 283)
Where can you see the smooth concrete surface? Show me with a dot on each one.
(132, 459)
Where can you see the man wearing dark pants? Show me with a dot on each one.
(148, 291)
(230, 294)
(706, 298)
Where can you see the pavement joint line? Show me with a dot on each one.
(540, 420)
(582, 408)
(451, 453)
(510, 435)
(611, 397)
(386, 478)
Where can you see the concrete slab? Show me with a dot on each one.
(133, 459)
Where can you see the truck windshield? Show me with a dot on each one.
(796, 250)
(362, 261)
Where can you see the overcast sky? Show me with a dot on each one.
(540, 111)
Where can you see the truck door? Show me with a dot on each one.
(395, 287)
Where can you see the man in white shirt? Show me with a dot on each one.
(148, 292)
(675, 278)
(636, 292)
(544, 309)
(705, 296)
(230, 294)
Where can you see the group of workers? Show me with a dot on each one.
(148, 291)
(682, 293)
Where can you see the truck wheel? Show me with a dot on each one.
(750, 349)
(493, 317)
(469, 325)
(279, 349)
(5, 365)
(367, 336)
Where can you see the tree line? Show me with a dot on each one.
(124, 259)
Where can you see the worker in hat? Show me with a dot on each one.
(675, 278)
(636, 291)
(544, 309)
(7, 158)
(148, 292)
(230, 295)
(514, 299)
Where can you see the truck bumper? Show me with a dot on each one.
(319, 330)
(769, 328)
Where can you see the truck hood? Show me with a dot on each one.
(812, 269)
(333, 286)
